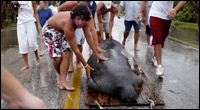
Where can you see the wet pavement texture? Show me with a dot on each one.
(179, 87)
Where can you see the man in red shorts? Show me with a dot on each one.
(161, 15)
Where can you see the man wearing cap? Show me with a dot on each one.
(104, 19)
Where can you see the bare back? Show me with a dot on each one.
(61, 21)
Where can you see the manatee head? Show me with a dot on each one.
(126, 93)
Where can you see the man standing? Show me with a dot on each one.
(148, 30)
(54, 7)
(59, 36)
(104, 19)
(161, 15)
(26, 30)
(44, 14)
(131, 9)
(93, 7)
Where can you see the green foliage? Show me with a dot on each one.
(188, 13)
(10, 16)
(176, 23)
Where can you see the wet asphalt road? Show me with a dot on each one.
(179, 87)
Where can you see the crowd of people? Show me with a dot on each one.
(64, 26)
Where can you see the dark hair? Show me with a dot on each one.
(54, 3)
(44, 2)
(81, 10)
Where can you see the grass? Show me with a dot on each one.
(177, 23)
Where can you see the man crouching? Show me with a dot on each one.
(58, 33)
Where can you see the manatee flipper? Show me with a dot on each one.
(91, 83)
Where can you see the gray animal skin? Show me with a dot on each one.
(114, 76)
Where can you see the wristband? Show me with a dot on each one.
(174, 10)
(86, 66)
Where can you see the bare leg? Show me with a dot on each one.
(148, 41)
(126, 33)
(42, 46)
(25, 56)
(37, 57)
(56, 64)
(71, 62)
(63, 71)
(78, 63)
(136, 37)
(158, 53)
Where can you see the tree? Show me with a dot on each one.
(189, 13)
(7, 15)
(3, 14)
(196, 4)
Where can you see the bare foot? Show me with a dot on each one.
(70, 69)
(78, 65)
(137, 49)
(65, 86)
(24, 68)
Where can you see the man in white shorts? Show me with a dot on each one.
(26, 29)
(104, 19)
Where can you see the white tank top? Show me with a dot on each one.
(25, 13)
(161, 9)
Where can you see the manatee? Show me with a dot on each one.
(114, 76)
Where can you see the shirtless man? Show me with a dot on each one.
(104, 19)
(69, 6)
(59, 36)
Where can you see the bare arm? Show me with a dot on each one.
(89, 38)
(142, 6)
(119, 11)
(172, 13)
(99, 6)
(93, 31)
(180, 5)
(145, 16)
(91, 43)
(113, 10)
(12, 7)
(36, 16)
(94, 34)
(15, 94)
